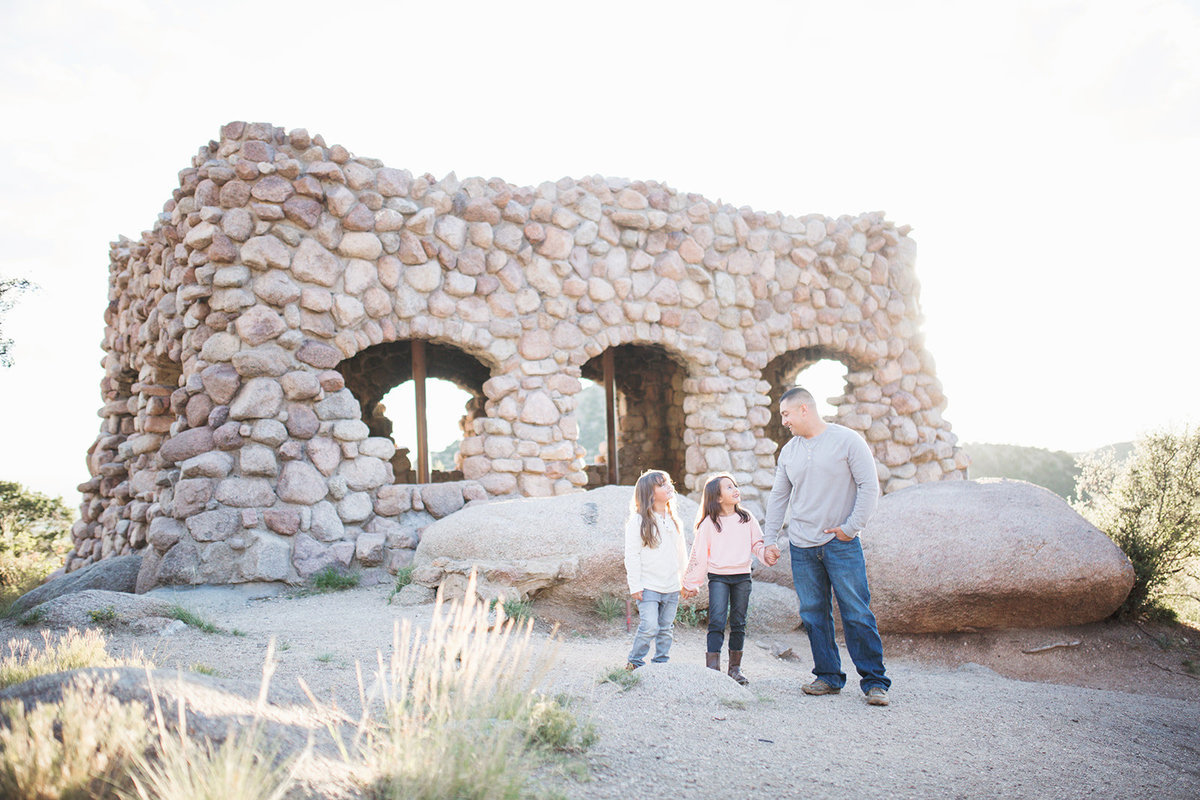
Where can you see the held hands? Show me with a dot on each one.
(687, 594)
(771, 555)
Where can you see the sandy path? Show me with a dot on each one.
(688, 732)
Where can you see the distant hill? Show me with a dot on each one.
(1054, 469)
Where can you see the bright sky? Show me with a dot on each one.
(1047, 156)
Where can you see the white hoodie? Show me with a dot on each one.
(659, 569)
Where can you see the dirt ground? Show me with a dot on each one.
(972, 714)
(1135, 657)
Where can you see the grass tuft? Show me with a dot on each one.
(192, 619)
(334, 579)
(609, 607)
(622, 677)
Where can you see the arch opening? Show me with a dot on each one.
(424, 384)
(643, 412)
(822, 372)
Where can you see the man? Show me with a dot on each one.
(827, 487)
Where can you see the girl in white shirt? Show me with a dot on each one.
(655, 558)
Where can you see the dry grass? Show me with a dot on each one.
(451, 713)
(76, 748)
(73, 650)
(245, 766)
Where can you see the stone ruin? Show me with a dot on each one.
(288, 284)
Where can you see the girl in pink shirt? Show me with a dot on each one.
(726, 537)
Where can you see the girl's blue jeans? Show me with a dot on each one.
(728, 599)
(656, 623)
(839, 567)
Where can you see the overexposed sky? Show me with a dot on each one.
(1047, 156)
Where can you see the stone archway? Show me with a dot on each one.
(650, 420)
(372, 373)
(784, 371)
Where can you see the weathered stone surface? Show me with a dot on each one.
(301, 483)
(570, 548)
(187, 444)
(260, 397)
(116, 574)
(442, 499)
(959, 555)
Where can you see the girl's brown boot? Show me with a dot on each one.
(735, 667)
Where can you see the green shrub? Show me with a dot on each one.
(519, 610)
(34, 536)
(1150, 506)
(103, 616)
(403, 578)
(334, 579)
(553, 724)
(690, 615)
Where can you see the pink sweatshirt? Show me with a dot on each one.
(724, 552)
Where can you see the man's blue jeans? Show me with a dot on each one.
(839, 566)
(656, 612)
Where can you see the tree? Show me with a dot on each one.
(31, 521)
(9, 289)
(1150, 506)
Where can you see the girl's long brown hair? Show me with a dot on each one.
(710, 506)
(643, 505)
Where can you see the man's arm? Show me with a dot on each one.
(866, 478)
(777, 505)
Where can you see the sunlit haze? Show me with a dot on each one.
(1045, 154)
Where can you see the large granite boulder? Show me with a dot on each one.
(117, 574)
(957, 555)
(568, 548)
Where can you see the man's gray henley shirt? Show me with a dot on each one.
(828, 481)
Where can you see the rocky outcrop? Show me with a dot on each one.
(569, 548)
(94, 608)
(988, 554)
(118, 574)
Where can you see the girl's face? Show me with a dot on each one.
(663, 493)
(730, 494)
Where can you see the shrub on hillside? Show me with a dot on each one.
(1150, 506)
(35, 533)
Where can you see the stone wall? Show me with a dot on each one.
(252, 331)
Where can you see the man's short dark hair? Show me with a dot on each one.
(800, 395)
